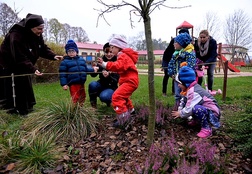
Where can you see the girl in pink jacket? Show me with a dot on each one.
(197, 102)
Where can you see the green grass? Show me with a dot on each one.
(239, 94)
(245, 69)
(237, 89)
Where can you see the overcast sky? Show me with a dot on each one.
(81, 13)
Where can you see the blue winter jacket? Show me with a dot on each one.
(73, 70)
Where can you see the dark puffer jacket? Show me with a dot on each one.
(111, 81)
(73, 71)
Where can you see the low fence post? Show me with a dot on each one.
(224, 91)
(13, 90)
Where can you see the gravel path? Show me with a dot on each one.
(158, 72)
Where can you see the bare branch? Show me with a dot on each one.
(146, 8)
(160, 3)
(112, 7)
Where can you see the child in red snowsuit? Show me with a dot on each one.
(125, 66)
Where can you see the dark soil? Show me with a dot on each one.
(118, 151)
(114, 150)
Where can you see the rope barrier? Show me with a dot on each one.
(51, 74)
(19, 75)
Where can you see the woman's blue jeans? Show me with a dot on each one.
(95, 89)
(210, 75)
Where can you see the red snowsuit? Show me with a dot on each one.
(125, 66)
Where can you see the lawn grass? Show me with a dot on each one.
(237, 88)
(239, 95)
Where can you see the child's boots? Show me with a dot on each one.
(204, 133)
(122, 119)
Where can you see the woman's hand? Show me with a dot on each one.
(38, 73)
(95, 69)
(105, 73)
(101, 62)
(58, 57)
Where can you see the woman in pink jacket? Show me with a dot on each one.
(125, 66)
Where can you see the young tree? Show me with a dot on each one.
(142, 8)
(238, 30)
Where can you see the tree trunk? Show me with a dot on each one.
(152, 98)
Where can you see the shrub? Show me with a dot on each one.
(29, 154)
(65, 120)
(50, 68)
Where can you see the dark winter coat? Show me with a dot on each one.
(211, 54)
(111, 81)
(18, 54)
(168, 54)
(73, 70)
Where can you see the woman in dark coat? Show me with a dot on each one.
(107, 83)
(165, 61)
(21, 48)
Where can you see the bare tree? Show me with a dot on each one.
(238, 30)
(142, 9)
(55, 27)
(137, 42)
(65, 33)
(212, 24)
(79, 34)
(8, 17)
(46, 30)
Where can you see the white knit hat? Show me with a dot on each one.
(119, 42)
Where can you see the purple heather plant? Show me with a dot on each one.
(184, 168)
(204, 152)
(161, 112)
(161, 156)
(166, 157)
(138, 169)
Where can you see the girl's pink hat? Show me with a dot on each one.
(119, 42)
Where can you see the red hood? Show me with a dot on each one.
(131, 53)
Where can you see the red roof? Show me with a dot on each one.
(185, 24)
(155, 52)
(89, 46)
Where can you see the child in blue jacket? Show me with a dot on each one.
(184, 52)
(73, 73)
